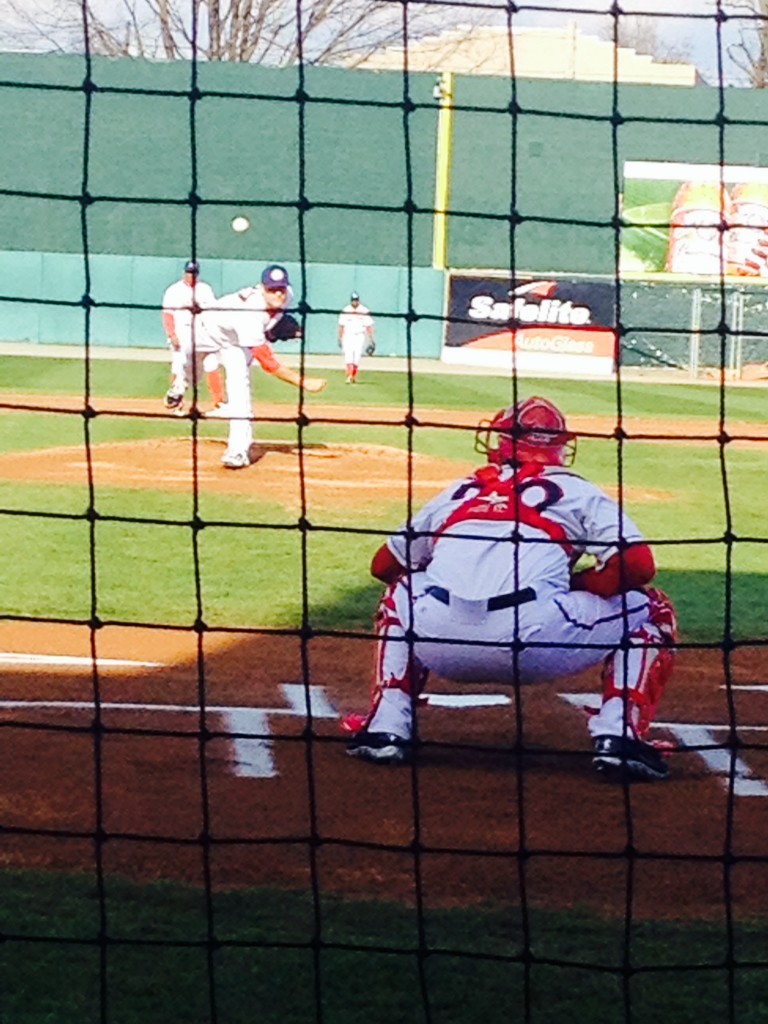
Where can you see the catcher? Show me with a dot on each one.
(240, 328)
(481, 586)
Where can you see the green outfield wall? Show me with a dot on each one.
(114, 172)
(538, 190)
(144, 159)
(125, 295)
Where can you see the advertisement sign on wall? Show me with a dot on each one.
(536, 326)
(697, 220)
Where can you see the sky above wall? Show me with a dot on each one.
(692, 26)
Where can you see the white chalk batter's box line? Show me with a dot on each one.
(253, 749)
(703, 736)
(249, 727)
(253, 753)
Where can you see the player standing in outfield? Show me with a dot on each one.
(182, 303)
(484, 578)
(356, 335)
(240, 328)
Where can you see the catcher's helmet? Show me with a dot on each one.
(533, 430)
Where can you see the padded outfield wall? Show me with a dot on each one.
(135, 169)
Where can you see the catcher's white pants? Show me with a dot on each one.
(560, 633)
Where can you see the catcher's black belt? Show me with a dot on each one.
(509, 600)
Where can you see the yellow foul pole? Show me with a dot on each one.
(444, 93)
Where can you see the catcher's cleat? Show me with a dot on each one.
(379, 747)
(621, 758)
(173, 399)
(239, 460)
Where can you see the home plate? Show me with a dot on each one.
(465, 700)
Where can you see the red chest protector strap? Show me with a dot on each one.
(501, 501)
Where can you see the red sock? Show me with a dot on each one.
(216, 386)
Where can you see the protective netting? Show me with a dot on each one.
(182, 835)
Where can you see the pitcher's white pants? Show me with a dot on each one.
(238, 371)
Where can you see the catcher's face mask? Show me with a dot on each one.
(534, 430)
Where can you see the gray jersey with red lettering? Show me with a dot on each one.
(502, 530)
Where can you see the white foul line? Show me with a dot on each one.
(9, 658)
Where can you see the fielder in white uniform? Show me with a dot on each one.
(356, 333)
(239, 328)
(484, 578)
(182, 303)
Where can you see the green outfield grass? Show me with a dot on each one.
(115, 378)
(686, 498)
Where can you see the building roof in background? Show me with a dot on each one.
(556, 53)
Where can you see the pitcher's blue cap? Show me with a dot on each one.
(275, 277)
(191, 267)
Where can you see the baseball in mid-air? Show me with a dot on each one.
(240, 224)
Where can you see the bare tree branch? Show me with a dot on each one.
(750, 53)
(642, 33)
(263, 31)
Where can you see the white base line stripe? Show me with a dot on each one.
(9, 658)
(466, 700)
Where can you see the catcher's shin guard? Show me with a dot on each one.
(396, 669)
(646, 670)
(662, 615)
(639, 675)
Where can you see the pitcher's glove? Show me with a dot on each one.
(370, 348)
(282, 327)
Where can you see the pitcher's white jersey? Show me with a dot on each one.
(465, 537)
(238, 319)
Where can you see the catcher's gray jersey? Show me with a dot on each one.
(464, 537)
